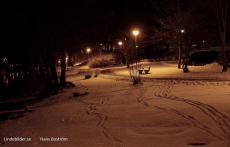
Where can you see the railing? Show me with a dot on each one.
(26, 109)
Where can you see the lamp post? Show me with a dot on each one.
(120, 43)
(88, 50)
(180, 48)
(135, 33)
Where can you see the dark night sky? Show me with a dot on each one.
(20, 18)
(132, 11)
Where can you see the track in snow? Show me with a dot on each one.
(222, 121)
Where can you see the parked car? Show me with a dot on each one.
(203, 57)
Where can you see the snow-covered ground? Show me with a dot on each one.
(168, 109)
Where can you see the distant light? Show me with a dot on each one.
(100, 43)
(88, 50)
(120, 43)
(135, 32)
(182, 31)
(203, 41)
(4, 59)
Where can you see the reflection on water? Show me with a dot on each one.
(5, 80)
(9, 77)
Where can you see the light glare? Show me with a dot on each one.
(135, 32)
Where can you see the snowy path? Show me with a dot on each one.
(91, 108)
(116, 113)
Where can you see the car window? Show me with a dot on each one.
(204, 54)
(195, 54)
(210, 53)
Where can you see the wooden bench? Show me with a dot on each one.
(12, 101)
(140, 71)
(145, 69)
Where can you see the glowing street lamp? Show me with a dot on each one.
(88, 50)
(180, 47)
(135, 33)
(120, 43)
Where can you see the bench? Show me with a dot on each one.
(12, 101)
(140, 71)
(145, 69)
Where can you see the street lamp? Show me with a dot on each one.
(120, 43)
(135, 33)
(88, 50)
(180, 48)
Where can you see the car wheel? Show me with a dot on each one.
(193, 63)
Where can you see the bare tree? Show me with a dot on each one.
(170, 18)
(178, 24)
(128, 49)
(220, 9)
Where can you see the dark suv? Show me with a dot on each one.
(203, 57)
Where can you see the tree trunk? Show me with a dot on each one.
(70, 59)
(54, 76)
(221, 9)
(33, 82)
(225, 66)
(179, 57)
(127, 61)
(43, 74)
(63, 66)
(185, 64)
(48, 75)
(47, 71)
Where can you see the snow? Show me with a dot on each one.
(168, 109)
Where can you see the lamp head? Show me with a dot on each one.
(135, 32)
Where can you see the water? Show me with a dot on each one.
(10, 77)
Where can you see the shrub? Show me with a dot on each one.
(88, 74)
(101, 61)
(96, 72)
(134, 73)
